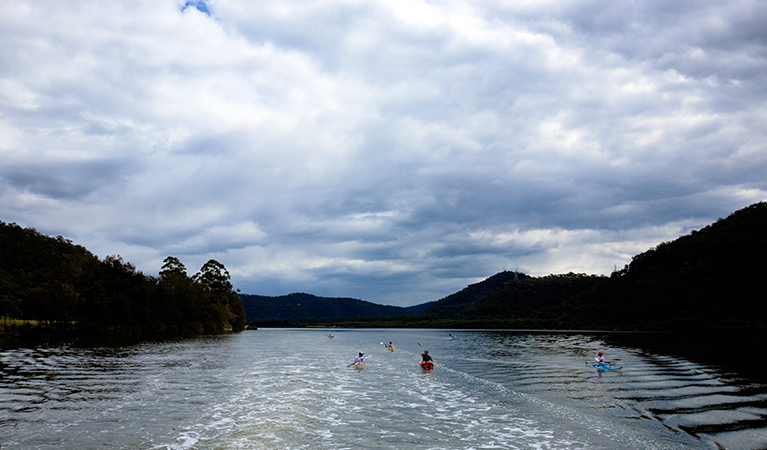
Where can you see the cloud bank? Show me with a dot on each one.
(394, 151)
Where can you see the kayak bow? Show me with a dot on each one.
(604, 366)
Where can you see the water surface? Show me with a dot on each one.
(293, 389)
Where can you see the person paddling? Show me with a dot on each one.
(359, 359)
(426, 357)
(601, 359)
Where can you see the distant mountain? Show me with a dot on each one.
(287, 309)
(455, 304)
(418, 309)
(711, 279)
(531, 297)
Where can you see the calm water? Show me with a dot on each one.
(292, 389)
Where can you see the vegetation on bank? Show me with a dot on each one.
(283, 310)
(711, 279)
(51, 286)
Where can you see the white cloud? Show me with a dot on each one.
(392, 151)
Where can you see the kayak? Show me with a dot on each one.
(604, 366)
(426, 365)
(359, 365)
(391, 349)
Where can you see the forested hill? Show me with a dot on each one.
(456, 304)
(67, 289)
(710, 279)
(288, 309)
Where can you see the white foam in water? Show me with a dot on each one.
(186, 441)
(293, 389)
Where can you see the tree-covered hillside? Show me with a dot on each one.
(68, 289)
(301, 308)
(454, 305)
(711, 279)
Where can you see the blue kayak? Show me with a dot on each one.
(604, 366)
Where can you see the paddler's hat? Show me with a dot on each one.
(600, 353)
(360, 353)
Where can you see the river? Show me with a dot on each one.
(294, 389)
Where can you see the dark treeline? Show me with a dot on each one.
(301, 308)
(711, 279)
(69, 290)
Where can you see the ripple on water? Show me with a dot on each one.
(490, 390)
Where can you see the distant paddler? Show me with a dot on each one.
(330, 336)
(389, 346)
(427, 363)
(452, 338)
(600, 358)
(359, 361)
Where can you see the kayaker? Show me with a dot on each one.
(359, 359)
(425, 356)
(601, 358)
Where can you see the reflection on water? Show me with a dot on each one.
(294, 389)
(722, 403)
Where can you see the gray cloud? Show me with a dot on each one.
(394, 152)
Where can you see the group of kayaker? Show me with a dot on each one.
(426, 359)
(428, 363)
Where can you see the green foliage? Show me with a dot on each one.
(172, 267)
(455, 304)
(214, 277)
(711, 279)
(53, 281)
(300, 308)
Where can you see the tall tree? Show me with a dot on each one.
(214, 276)
(172, 267)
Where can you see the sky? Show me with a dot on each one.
(394, 151)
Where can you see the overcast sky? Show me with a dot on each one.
(392, 151)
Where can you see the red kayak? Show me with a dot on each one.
(426, 365)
